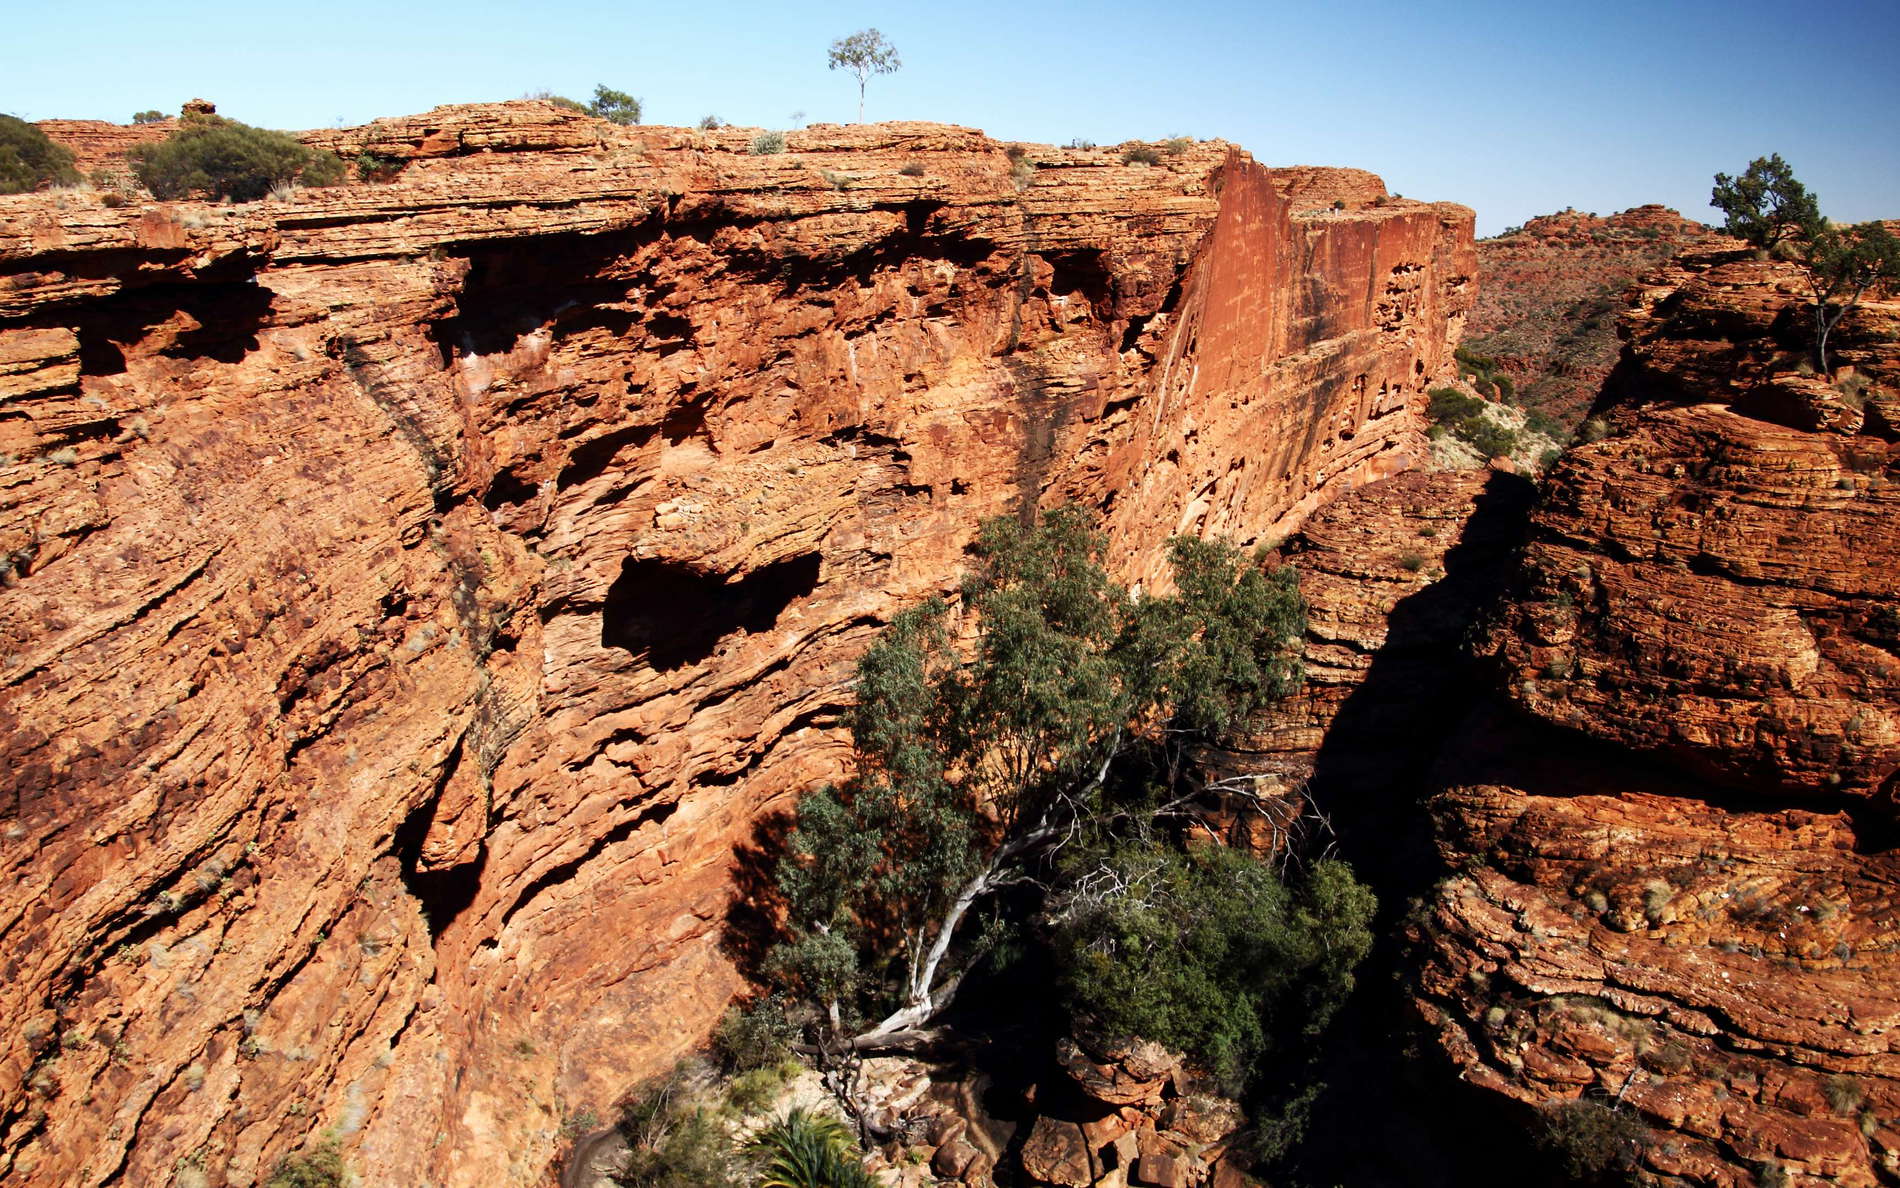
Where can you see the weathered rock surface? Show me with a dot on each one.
(415, 590)
(1547, 308)
(1676, 850)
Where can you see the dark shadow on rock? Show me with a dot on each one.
(755, 917)
(1393, 1111)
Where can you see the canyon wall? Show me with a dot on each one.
(417, 593)
(1672, 834)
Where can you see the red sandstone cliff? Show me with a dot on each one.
(1674, 855)
(415, 590)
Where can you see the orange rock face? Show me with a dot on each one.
(414, 591)
(1676, 851)
(98, 144)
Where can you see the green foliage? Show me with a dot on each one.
(804, 1150)
(220, 158)
(153, 116)
(319, 1167)
(377, 167)
(767, 144)
(756, 1088)
(28, 160)
(547, 96)
(674, 1141)
(755, 1036)
(1765, 205)
(616, 107)
(1841, 265)
(1463, 416)
(1210, 952)
(964, 768)
(1483, 373)
(1539, 421)
(1141, 154)
(863, 54)
(1595, 1143)
(711, 123)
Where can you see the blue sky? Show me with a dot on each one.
(1516, 109)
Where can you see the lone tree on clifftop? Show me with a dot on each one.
(864, 53)
(1841, 264)
(616, 107)
(1766, 205)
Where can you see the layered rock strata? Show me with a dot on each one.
(1675, 847)
(416, 592)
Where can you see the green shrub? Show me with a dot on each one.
(1488, 437)
(1176, 145)
(1594, 1142)
(1211, 953)
(153, 116)
(1539, 421)
(616, 107)
(1449, 404)
(1141, 154)
(755, 1036)
(675, 1142)
(1464, 417)
(710, 123)
(804, 1150)
(319, 1167)
(220, 158)
(28, 160)
(377, 167)
(755, 1089)
(547, 96)
(766, 144)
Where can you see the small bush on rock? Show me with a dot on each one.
(28, 160)
(1142, 154)
(319, 1167)
(766, 144)
(1594, 1142)
(757, 1036)
(219, 158)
